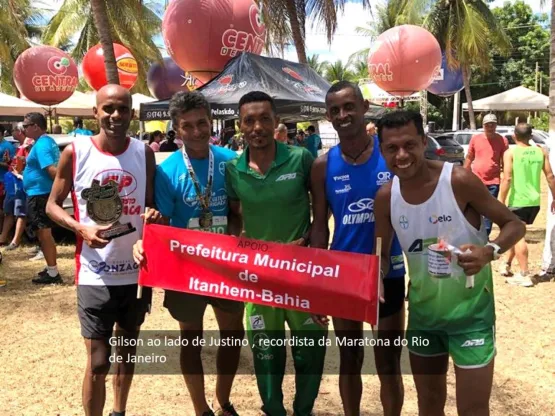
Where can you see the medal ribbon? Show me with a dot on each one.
(204, 200)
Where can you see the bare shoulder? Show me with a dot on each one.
(463, 180)
(148, 149)
(384, 193)
(319, 166)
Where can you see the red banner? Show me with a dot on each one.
(334, 283)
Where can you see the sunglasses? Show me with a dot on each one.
(27, 125)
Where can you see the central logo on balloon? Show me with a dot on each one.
(189, 81)
(380, 72)
(94, 69)
(256, 21)
(58, 65)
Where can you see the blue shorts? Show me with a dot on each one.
(15, 205)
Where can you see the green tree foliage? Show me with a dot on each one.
(530, 37)
(132, 22)
(314, 62)
(338, 71)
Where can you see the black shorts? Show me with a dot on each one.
(526, 214)
(186, 307)
(100, 307)
(36, 213)
(394, 294)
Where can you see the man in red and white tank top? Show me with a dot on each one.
(111, 177)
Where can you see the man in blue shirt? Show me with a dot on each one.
(7, 152)
(313, 141)
(178, 200)
(38, 178)
(78, 129)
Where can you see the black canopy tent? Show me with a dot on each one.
(299, 91)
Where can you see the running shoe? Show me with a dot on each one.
(226, 410)
(520, 280)
(11, 247)
(38, 256)
(505, 270)
(46, 279)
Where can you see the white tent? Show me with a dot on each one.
(13, 106)
(79, 104)
(139, 99)
(516, 99)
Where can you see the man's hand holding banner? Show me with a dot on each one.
(339, 284)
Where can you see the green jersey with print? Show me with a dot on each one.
(525, 183)
(276, 206)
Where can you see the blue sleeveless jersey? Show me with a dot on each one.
(350, 191)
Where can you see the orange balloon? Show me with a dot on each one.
(404, 59)
(94, 70)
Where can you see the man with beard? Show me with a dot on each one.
(190, 194)
(346, 180)
(269, 183)
(436, 210)
(106, 275)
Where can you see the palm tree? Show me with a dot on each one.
(102, 24)
(285, 20)
(131, 22)
(465, 30)
(18, 24)
(314, 62)
(337, 71)
(390, 14)
(360, 69)
(551, 72)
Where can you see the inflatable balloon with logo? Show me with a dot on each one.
(201, 36)
(166, 78)
(404, 59)
(45, 75)
(448, 81)
(94, 70)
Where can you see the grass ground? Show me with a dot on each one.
(42, 355)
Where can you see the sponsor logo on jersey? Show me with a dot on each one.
(403, 222)
(383, 178)
(104, 268)
(343, 190)
(434, 219)
(341, 178)
(257, 322)
(261, 341)
(287, 177)
(473, 343)
(361, 211)
(221, 168)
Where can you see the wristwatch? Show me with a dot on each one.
(496, 250)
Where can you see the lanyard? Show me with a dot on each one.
(204, 200)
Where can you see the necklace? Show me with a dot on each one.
(354, 159)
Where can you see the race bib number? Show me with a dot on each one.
(219, 225)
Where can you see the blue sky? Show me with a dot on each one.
(345, 42)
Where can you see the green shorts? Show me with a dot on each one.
(473, 349)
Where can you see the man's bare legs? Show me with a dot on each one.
(474, 390)
(430, 379)
(47, 245)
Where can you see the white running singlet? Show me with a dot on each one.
(112, 265)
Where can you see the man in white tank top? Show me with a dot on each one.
(106, 276)
(430, 205)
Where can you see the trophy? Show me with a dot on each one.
(104, 207)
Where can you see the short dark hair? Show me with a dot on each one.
(257, 97)
(78, 122)
(523, 131)
(400, 118)
(343, 85)
(311, 129)
(38, 119)
(185, 101)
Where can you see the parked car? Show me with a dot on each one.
(445, 148)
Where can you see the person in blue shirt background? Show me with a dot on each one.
(181, 206)
(7, 152)
(78, 129)
(313, 141)
(38, 178)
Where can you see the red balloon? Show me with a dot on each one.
(201, 36)
(404, 59)
(94, 70)
(45, 75)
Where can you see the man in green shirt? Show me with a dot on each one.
(269, 183)
(521, 182)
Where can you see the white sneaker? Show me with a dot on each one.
(505, 270)
(38, 256)
(520, 280)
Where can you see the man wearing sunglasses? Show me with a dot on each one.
(38, 178)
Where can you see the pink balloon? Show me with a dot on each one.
(404, 59)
